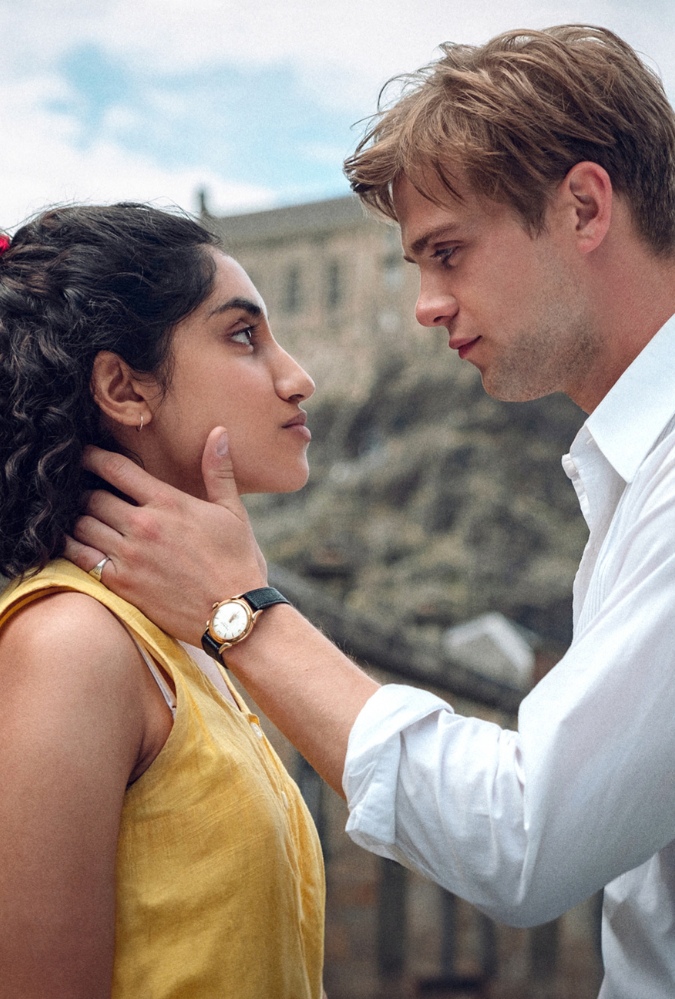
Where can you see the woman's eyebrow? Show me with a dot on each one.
(253, 309)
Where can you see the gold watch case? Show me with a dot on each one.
(231, 622)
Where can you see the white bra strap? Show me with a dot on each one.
(164, 687)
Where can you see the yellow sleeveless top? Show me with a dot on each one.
(220, 883)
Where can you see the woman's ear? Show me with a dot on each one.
(119, 393)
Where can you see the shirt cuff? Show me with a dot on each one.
(370, 776)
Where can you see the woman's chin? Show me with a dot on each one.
(286, 483)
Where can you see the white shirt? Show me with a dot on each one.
(527, 824)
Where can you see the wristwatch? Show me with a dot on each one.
(232, 620)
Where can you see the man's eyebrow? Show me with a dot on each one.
(246, 304)
(445, 231)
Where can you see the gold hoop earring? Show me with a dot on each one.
(140, 425)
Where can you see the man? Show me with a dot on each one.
(534, 183)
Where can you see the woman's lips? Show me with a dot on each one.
(298, 424)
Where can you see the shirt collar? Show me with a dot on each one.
(629, 420)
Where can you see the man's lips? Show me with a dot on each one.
(463, 344)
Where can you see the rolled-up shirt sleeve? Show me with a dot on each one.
(438, 792)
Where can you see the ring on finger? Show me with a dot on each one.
(97, 571)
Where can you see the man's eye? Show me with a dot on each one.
(445, 254)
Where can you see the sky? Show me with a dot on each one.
(254, 101)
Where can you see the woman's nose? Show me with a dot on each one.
(293, 382)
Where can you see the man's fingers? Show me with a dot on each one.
(96, 536)
(109, 509)
(124, 474)
(217, 470)
(83, 556)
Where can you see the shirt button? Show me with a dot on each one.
(257, 729)
(284, 798)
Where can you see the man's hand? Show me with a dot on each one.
(172, 556)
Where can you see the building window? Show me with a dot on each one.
(333, 285)
(292, 295)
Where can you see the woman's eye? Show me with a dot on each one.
(243, 336)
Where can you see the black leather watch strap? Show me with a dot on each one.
(211, 646)
(264, 597)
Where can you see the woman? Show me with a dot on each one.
(153, 845)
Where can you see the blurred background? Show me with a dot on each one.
(438, 537)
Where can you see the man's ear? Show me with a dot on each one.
(588, 194)
(118, 391)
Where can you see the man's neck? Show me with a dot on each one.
(635, 298)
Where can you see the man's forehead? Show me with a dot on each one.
(421, 214)
(434, 213)
(447, 186)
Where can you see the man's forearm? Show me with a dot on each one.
(306, 687)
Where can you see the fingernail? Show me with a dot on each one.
(223, 447)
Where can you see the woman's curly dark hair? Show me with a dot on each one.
(74, 281)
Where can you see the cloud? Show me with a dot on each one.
(362, 44)
(256, 126)
(359, 44)
(151, 98)
(45, 164)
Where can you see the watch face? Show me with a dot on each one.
(230, 621)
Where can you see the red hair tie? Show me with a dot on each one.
(5, 243)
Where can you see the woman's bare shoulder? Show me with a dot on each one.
(59, 613)
(69, 651)
(64, 620)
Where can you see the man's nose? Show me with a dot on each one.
(435, 306)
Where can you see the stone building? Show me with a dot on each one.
(428, 505)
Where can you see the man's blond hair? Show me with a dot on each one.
(514, 115)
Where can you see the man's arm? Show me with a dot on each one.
(174, 556)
